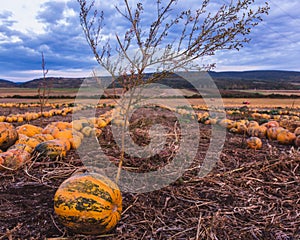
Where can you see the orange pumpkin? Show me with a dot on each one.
(2, 118)
(29, 130)
(75, 142)
(272, 132)
(23, 147)
(62, 125)
(227, 123)
(213, 121)
(13, 159)
(258, 131)
(8, 135)
(207, 122)
(272, 124)
(286, 137)
(79, 134)
(254, 142)
(20, 119)
(31, 142)
(43, 137)
(67, 133)
(101, 123)
(50, 129)
(66, 142)
(233, 130)
(241, 128)
(252, 124)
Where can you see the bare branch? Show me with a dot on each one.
(43, 89)
(173, 41)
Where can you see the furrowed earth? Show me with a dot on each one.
(249, 194)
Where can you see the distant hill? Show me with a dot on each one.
(259, 75)
(54, 82)
(267, 79)
(7, 84)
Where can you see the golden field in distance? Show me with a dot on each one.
(6, 95)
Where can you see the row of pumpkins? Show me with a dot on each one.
(285, 131)
(54, 140)
(29, 116)
(292, 114)
(57, 109)
(31, 105)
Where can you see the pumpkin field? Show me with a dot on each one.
(252, 191)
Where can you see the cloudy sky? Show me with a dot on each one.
(28, 28)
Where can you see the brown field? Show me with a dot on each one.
(261, 102)
(236, 102)
(267, 92)
(8, 92)
(228, 102)
(249, 194)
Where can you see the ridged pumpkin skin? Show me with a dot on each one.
(286, 137)
(29, 130)
(273, 132)
(8, 135)
(271, 124)
(43, 137)
(77, 125)
(87, 131)
(241, 128)
(254, 143)
(50, 129)
(32, 142)
(52, 148)
(75, 142)
(227, 123)
(22, 147)
(62, 125)
(253, 124)
(101, 123)
(13, 159)
(259, 131)
(88, 203)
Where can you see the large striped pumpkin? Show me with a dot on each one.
(88, 203)
(52, 149)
